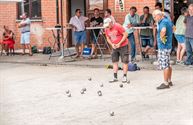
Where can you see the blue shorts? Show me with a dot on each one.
(25, 38)
(180, 38)
(80, 37)
(146, 41)
(93, 38)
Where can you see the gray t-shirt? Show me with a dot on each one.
(27, 27)
(189, 26)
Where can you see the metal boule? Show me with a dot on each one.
(83, 89)
(112, 113)
(90, 79)
(67, 91)
(121, 85)
(82, 92)
(99, 93)
(69, 95)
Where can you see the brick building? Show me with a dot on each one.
(43, 15)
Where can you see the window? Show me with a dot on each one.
(32, 7)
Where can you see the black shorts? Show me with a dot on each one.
(93, 38)
(123, 52)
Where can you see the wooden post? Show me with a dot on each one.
(163, 5)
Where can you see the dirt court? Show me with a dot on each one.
(35, 95)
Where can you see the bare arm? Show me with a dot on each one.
(125, 35)
(144, 18)
(108, 40)
(163, 35)
(155, 36)
(163, 32)
(22, 25)
(73, 26)
(4, 38)
(110, 43)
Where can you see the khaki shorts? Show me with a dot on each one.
(123, 53)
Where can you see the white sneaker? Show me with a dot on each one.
(124, 79)
(113, 80)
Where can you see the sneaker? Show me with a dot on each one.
(177, 62)
(163, 86)
(124, 79)
(180, 62)
(170, 84)
(147, 56)
(113, 80)
(143, 54)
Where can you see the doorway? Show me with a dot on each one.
(87, 7)
(178, 4)
(73, 5)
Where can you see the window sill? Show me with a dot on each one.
(32, 20)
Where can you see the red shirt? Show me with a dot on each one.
(116, 34)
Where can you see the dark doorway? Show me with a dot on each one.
(84, 5)
(178, 4)
(73, 5)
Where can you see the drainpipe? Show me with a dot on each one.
(22, 6)
(57, 21)
(62, 27)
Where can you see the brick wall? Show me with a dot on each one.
(8, 13)
(7, 16)
(120, 16)
(139, 4)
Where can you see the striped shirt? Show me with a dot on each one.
(79, 23)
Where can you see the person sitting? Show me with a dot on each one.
(95, 21)
(146, 35)
(8, 41)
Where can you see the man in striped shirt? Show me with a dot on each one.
(78, 24)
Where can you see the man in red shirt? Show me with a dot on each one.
(117, 38)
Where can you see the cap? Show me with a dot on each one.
(106, 22)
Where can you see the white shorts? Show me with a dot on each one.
(25, 38)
